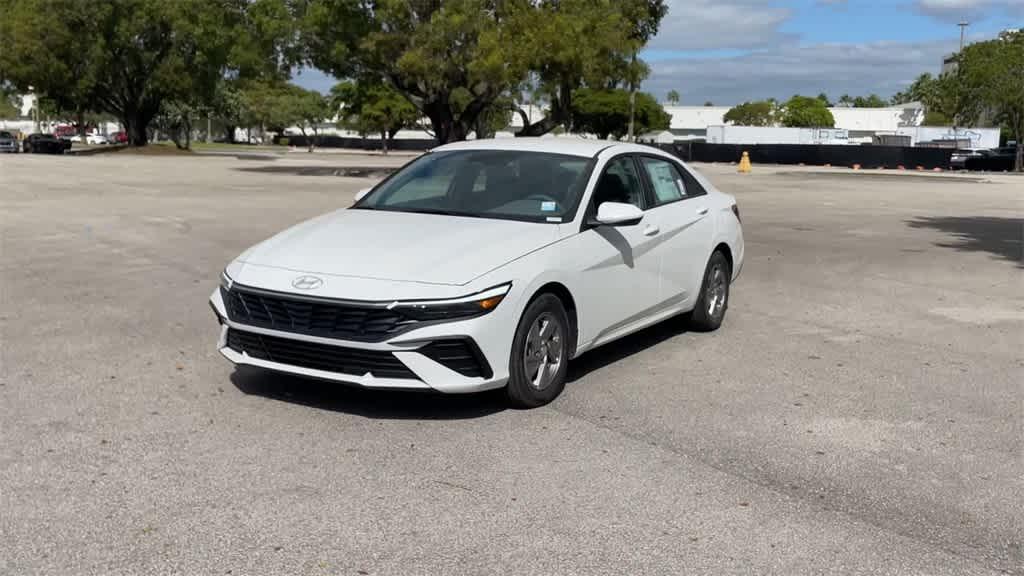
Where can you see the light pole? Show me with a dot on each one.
(959, 55)
(632, 99)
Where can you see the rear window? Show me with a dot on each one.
(5, 134)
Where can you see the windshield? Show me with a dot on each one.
(517, 185)
(4, 134)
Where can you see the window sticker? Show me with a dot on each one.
(548, 206)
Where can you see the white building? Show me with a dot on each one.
(728, 134)
(860, 124)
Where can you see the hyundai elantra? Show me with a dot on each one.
(486, 264)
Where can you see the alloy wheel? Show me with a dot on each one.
(543, 352)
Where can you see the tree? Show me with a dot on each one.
(709, 103)
(44, 49)
(673, 97)
(872, 101)
(130, 57)
(606, 113)
(370, 106)
(495, 117)
(806, 112)
(454, 60)
(175, 120)
(228, 108)
(824, 98)
(570, 44)
(940, 99)
(992, 75)
(306, 109)
(751, 114)
(425, 50)
(268, 105)
(8, 109)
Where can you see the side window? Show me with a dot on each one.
(666, 180)
(619, 183)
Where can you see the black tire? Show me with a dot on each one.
(713, 301)
(526, 390)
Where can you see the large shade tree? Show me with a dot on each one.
(607, 113)
(460, 59)
(806, 112)
(992, 75)
(130, 58)
(760, 113)
(370, 106)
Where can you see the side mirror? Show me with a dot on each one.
(618, 214)
(362, 193)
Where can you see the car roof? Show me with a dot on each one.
(584, 147)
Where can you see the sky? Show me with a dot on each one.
(732, 51)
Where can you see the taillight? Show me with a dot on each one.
(736, 211)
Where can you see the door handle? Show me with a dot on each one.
(702, 211)
(651, 230)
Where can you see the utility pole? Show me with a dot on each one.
(963, 26)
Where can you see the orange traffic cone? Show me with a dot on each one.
(745, 163)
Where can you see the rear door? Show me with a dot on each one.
(680, 206)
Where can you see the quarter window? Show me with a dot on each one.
(666, 180)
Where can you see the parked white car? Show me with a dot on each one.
(486, 264)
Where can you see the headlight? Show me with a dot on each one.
(473, 305)
(225, 280)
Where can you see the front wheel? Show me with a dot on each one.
(540, 354)
(714, 295)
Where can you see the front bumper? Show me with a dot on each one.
(408, 361)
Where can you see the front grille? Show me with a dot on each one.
(460, 355)
(323, 318)
(354, 361)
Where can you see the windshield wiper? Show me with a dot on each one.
(433, 211)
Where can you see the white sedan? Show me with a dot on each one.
(486, 264)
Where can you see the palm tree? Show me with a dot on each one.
(672, 97)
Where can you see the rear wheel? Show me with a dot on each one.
(714, 294)
(540, 354)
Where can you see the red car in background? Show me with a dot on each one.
(65, 131)
(119, 137)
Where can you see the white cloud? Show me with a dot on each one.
(857, 69)
(719, 24)
(953, 10)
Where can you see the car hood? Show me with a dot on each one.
(401, 246)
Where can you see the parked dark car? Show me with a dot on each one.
(960, 156)
(8, 143)
(45, 144)
(997, 160)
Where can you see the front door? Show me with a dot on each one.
(619, 273)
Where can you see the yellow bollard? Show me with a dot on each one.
(745, 163)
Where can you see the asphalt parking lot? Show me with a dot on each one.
(859, 412)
